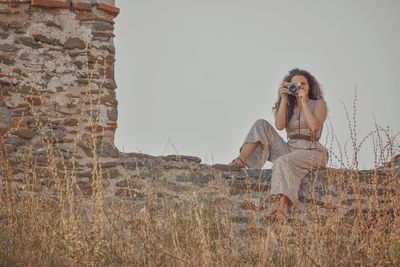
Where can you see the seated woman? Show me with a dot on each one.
(302, 113)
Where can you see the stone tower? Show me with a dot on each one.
(57, 82)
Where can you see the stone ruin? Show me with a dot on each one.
(57, 81)
(58, 105)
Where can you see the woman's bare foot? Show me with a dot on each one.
(277, 216)
(280, 213)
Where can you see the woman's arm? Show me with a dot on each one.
(280, 118)
(315, 120)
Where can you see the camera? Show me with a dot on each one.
(293, 88)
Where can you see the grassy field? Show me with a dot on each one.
(63, 227)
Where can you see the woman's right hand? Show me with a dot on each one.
(283, 90)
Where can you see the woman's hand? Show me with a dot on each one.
(302, 95)
(283, 90)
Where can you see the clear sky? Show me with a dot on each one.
(193, 76)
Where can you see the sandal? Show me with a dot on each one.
(236, 165)
(277, 216)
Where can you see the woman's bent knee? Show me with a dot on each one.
(281, 161)
(262, 122)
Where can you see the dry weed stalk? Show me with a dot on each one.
(62, 227)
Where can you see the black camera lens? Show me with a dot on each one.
(293, 88)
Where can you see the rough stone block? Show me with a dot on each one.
(82, 4)
(46, 40)
(15, 24)
(8, 48)
(75, 43)
(6, 59)
(108, 6)
(5, 11)
(24, 133)
(51, 3)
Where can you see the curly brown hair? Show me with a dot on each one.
(315, 91)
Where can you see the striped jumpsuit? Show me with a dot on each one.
(292, 160)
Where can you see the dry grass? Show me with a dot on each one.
(63, 228)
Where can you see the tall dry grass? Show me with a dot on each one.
(49, 222)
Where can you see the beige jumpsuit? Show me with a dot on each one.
(292, 160)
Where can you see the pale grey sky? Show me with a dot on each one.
(199, 73)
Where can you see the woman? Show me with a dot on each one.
(302, 114)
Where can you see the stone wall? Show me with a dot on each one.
(334, 194)
(57, 82)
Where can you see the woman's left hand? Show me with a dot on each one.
(302, 95)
